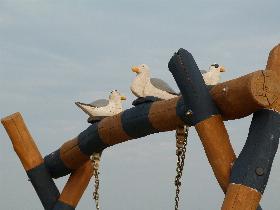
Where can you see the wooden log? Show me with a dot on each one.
(273, 61)
(31, 160)
(204, 115)
(253, 166)
(243, 96)
(161, 116)
(251, 170)
(240, 197)
(75, 187)
(169, 116)
(216, 143)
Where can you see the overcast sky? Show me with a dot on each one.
(53, 53)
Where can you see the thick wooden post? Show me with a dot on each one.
(273, 61)
(252, 168)
(216, 143)
(201, 112)
(31, 160)
(75, 187)
(240, 197)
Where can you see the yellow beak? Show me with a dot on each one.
(123, 98)
(135, 69)
(222, 69)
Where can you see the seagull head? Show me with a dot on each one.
(216, 67)
(141, 69)
(116, 96)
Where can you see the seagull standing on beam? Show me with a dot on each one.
(102, 108)
(143, 85)
(213, 76)
(98, 110)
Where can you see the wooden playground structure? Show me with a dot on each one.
(242, 179)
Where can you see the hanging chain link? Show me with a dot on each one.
(181, 143)
(95, 159)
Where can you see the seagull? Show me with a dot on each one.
(102, 108)
(212, 77)
(143, 85)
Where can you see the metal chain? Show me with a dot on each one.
(95, 159)
(181, 143)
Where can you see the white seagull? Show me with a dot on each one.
(143, 85)
(101, 108)
(213, 76)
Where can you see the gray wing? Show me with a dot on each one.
(203, 71)
(162, 85)
(100, 103)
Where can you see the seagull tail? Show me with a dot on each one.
(85, 107)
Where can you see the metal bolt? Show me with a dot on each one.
(189, 112)
(259, 171)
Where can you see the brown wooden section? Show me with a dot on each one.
(71, 154)
(218, 149)
(76, 185)
(22, 141)
(273, 61)
(240, 197)
(163, 115)
(111, 131)
(241, 97)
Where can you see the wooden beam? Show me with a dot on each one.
(31, 160)
(251, 170)
(216, 144)
(240, 197)
(273, 61)
(75, 187)
(203, 114)
(245, 95)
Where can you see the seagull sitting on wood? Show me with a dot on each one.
(212, 77)
(143, 85)
(102, 108)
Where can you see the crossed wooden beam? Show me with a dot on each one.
(242, 179)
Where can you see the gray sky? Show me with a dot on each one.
(53, 53)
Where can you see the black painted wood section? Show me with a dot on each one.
(62, 206)
(55, 165)
(135, 121)
(196, 96)
(252, 168)
(90, 141)
(44, 186)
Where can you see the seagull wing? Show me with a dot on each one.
(162, 85)
(100, 103)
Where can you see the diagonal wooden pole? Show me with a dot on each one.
(75, 187)
(202, 113)
(33, 163)
(251, 170)
(31, 160)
